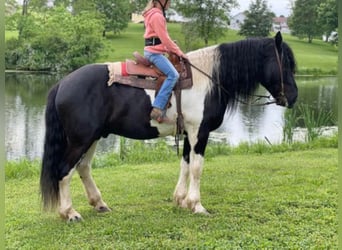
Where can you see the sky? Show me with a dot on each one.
(279, 7)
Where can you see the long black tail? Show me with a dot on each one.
(54, 149)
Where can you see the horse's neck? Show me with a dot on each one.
(202, 59)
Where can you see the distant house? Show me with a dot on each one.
(137, 18)
(237, 20)
(174, 16)
(278, 23)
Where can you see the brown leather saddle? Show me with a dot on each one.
(141, 73)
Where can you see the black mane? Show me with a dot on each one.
(239, 67)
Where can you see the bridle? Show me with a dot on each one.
(281, 94)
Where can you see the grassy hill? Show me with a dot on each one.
(315, 58)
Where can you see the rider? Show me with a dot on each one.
(158, 42)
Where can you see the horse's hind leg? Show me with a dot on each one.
(73, 158)
(65, 210)
(93, 193)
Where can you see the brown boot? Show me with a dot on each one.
(159, 116)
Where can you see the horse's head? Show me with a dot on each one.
(279, 70)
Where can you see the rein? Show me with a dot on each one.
(281, 94)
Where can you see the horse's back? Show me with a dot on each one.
(82, 82)
(86, 76)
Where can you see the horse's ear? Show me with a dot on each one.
(278, 39)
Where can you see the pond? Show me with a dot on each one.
(25, 95)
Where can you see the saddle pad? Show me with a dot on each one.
(114, 69)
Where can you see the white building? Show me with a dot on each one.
(278, 23)
(237, 20)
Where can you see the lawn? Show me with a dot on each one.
(313, 57)
(281, 200)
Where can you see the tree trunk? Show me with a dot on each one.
(25, 7)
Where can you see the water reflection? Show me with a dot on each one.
(26, 97)
(252, 124)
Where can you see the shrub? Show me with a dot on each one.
(55, 41)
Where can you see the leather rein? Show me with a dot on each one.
(281, 94)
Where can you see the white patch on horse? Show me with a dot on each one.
(181, 188)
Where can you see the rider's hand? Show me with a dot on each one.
(184, 57)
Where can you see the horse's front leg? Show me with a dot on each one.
(191, 166)
(194, 195)
(93, 193)
(181, 189)
(196, 167)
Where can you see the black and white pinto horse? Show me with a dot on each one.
(81, 109)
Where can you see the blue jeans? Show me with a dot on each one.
(165, 66)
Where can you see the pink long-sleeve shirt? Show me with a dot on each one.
(155, 26)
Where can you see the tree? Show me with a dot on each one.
(208, 18)
(303, 21)
(138, 5)
(65, 3)
(82, 5)
(11, 14)
(258, 22)
(327, 16)
(116, 13)
(38, 5)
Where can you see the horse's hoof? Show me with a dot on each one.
(181, 202)
(199, 209)
(75, 218)
(70, 215)
(103, 209)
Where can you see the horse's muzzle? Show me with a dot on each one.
(282, 101)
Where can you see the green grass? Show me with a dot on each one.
(313, 58)
(10, 34)
(317, 58)
(121, 46)
(279, 197)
